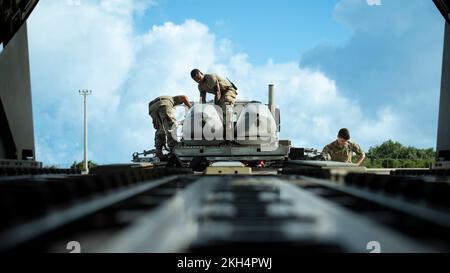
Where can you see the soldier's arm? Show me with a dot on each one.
(361, 159)
(217, 95)
(202, 96)
(326, 153)
(360, 153)
(185, 100)
(212, 82)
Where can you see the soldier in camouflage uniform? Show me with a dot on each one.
(224, 91)
(162, 112)
(342, 149)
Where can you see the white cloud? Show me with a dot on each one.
(127, 7)
(392, 60)
(94, 46)
(374, 2)
(73, 2)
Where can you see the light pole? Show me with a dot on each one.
(85, 93)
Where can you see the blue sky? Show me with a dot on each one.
(372, 66)
(281, 30)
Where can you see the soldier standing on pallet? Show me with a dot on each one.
(225, 92)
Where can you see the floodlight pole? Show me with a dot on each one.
(85, 93)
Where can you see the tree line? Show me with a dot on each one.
(80, 165)
(392, 154)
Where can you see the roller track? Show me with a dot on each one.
(174, 210)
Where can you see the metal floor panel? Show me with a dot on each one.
(155, 210)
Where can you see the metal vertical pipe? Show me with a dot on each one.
(272, 99)
(85, 93)
(86, 167)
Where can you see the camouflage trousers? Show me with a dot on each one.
(164, 122)
(227, 99)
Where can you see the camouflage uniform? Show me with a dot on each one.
(343, 154)
(162, 112)
(228, 93)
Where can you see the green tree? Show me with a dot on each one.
(80, 165)
(392, 154)
(50, 167)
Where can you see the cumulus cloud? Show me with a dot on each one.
(392, 59)
(71, 50)
(127, 7)
(374, 2)
(95, 46)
